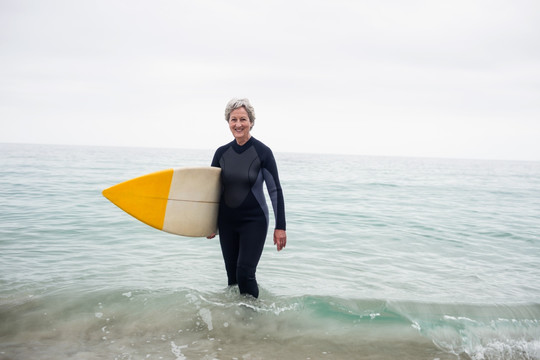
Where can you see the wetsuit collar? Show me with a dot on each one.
(241, 148)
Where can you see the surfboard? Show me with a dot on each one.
(181, 201)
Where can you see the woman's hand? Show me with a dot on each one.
(280, 239)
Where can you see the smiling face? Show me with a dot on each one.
(240, 125)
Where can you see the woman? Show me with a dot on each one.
(243, 217)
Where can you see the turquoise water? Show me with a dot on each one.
(387, 258)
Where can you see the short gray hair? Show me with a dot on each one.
(238, 103)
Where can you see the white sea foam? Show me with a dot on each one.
(177, 351)
(206, 316)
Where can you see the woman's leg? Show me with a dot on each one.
(230, 245)
(252, 236)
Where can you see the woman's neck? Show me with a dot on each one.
(243, 140)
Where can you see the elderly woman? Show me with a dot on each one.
(243, 216)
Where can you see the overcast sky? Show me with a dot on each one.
(431, 78)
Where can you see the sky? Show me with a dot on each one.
(451, 79)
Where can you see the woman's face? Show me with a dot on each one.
(240, 125)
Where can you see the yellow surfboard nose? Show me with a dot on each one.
(144, 197)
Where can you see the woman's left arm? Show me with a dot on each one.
(273, 185)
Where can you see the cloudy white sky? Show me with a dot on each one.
(428, 78)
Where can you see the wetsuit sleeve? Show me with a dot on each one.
(215, 161)
(217, 156)
(273, 185)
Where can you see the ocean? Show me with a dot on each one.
(387, 258)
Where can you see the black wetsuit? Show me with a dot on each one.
(243, 215)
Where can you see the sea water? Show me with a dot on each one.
(387, 258)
